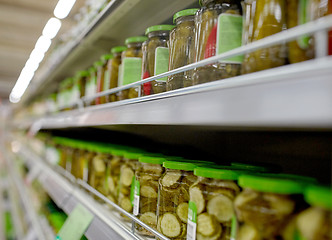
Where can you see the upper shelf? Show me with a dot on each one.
(119, 20)
(292, 96)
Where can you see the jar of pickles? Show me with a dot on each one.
(181, 48)
(150, 169)
(127, 180)
(131, 67)
(218, 30)
(155, 58)
(97, 172)
(260, 21)
(315, 223)
(113, 173)
(211, 203)
(79, 85)
(173, 198)
(104, 81)
(99, 65)
(91, 85)
(266, 204)
(113, 71)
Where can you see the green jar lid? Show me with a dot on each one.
(98, 64)
(118, 152)
(219, 173)
(305, 179)
(92, 69)
(132, 155)
(158, 159)
(118, 49)
(82, 73)
(159, 28)
(136, 39)
(186, 12)
(319, 196)
(180, 165)
(271, 183)
(106, 57)
(197, 161)
(250, 167)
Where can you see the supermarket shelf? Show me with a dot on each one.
(292, 96)
(118, 20)
(61, 188)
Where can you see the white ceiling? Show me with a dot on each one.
(21, 24)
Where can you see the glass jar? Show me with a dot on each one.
(99, 65)
(127, 179)
(131, 66)
(173, 198)
(79, 85)
(113, 174)
(91, 85)
(103, 79)
(260, 21)
(158, 41)
(97, 172)
(150, 169)
(266, 204)
(181, 48)
(211, 202)
(206, 44)
(315, 223)
(113, 72)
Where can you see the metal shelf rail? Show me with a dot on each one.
(295, 95)
(67, 192)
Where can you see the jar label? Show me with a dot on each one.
(229, 35)
(192, 221)
(136, 197)
(161, 62)
(107, 80)
(52, 155)
(210, 48)
(132, 190)
(303, 17)
(234, 227)
(130, 71)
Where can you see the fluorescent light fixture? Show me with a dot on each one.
(32, 65)
(43, 44)
(37, 56)
(22, 83)
(63, 8)
(14, 99)
(51, 28)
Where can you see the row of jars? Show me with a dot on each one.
(217, 27)
(193, 199)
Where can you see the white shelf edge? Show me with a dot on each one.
(290, 96)
(105, 223)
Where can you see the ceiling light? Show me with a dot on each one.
(43, 44)
(51, 28)
(37, 56)
(13, 99)
(63, 8)
(22, 83)
(32, 64)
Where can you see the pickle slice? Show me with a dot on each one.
(125, 203)
(310, 222)
(170, 225)
(153, 168)
(149, 218)
(127, 176)
(207, 225)
(247, 232)
(99, 165)
(282, 204)
(216, 236)
(221, 207)
(148, 191)
(196, 196)
(111, 184)
(171, 180)
(182, 211)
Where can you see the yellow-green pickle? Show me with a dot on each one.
(181, 48)
(263, 18)
(157, 43)
(207, 34)
(131, 57)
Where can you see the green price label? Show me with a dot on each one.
(161, 62)
(229, 35)
(131, 70)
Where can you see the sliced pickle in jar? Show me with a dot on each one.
(216, 236)
(221, 207)
(170, 225)
(196, 196)
(126, 177)
(207, 225)
(182, 211)
(171, 179)
(149, 191)
(149, 218)
(125, 203)
(247, 232)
